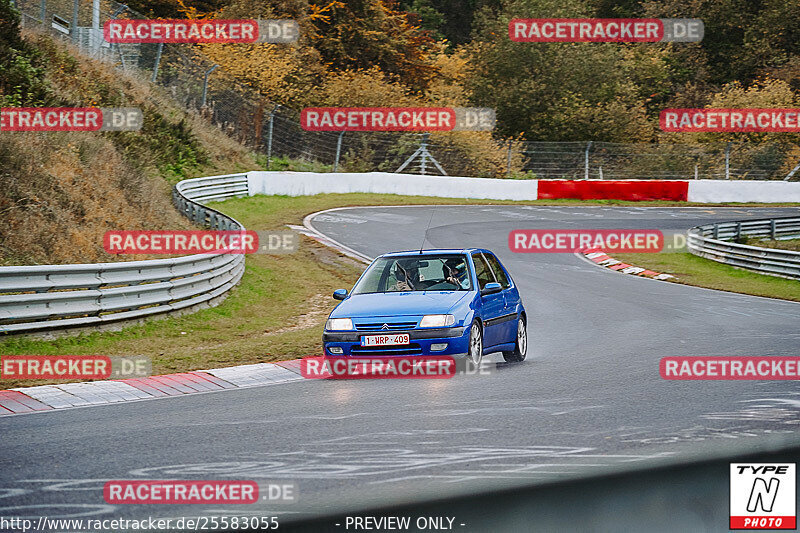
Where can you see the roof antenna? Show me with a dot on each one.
(425, 235)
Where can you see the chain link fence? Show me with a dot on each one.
(601, 160)
(274, 131)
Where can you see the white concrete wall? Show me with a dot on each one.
(743, 191)
(308, 183)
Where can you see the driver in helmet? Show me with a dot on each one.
(455, 272)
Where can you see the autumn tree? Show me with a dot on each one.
(743, 38)
(562, 91)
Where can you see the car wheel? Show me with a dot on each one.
(521, 348)
(475, 343)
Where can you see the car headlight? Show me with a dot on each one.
(339, 324)
(437, 321)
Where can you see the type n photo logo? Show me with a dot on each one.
(763, 496)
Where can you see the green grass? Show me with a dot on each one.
(788, 244)
(279, 308)
(693, 270)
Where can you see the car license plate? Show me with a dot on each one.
(384, 340)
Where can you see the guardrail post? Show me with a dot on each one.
(158, 62)
(586, 161)
(269, 136)
(716, 231)
(728, 161)
(74, 28)
(94, 41)
(205, 83)
(508, 160)
(772, 228)
(423, 147)
(338, 151)
(738, 231)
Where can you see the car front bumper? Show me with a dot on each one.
(420, 342)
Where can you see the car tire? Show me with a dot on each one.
(521, 346)
(475, 347)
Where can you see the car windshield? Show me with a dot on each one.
(416, 273)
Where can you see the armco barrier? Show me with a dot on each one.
(44, 297)
(714, 241)
(37, 298)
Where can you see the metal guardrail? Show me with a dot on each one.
(715, 242)
(43, 297)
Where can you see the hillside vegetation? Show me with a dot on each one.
(62, 191)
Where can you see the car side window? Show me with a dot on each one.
(502, 279)
(482, 271)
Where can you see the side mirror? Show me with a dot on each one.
(341, 294)
(491, 288)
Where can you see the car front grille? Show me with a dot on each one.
(390, 326)
(406, 349)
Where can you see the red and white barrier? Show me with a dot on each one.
(703, 191)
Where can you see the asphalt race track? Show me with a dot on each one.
(588, 398)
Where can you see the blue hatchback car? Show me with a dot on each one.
(430, 302)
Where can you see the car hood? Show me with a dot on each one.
(398, 304)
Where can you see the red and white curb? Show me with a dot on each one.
(67, 395)
(602, 259)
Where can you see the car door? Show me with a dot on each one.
(507, 324)
(492, 305)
